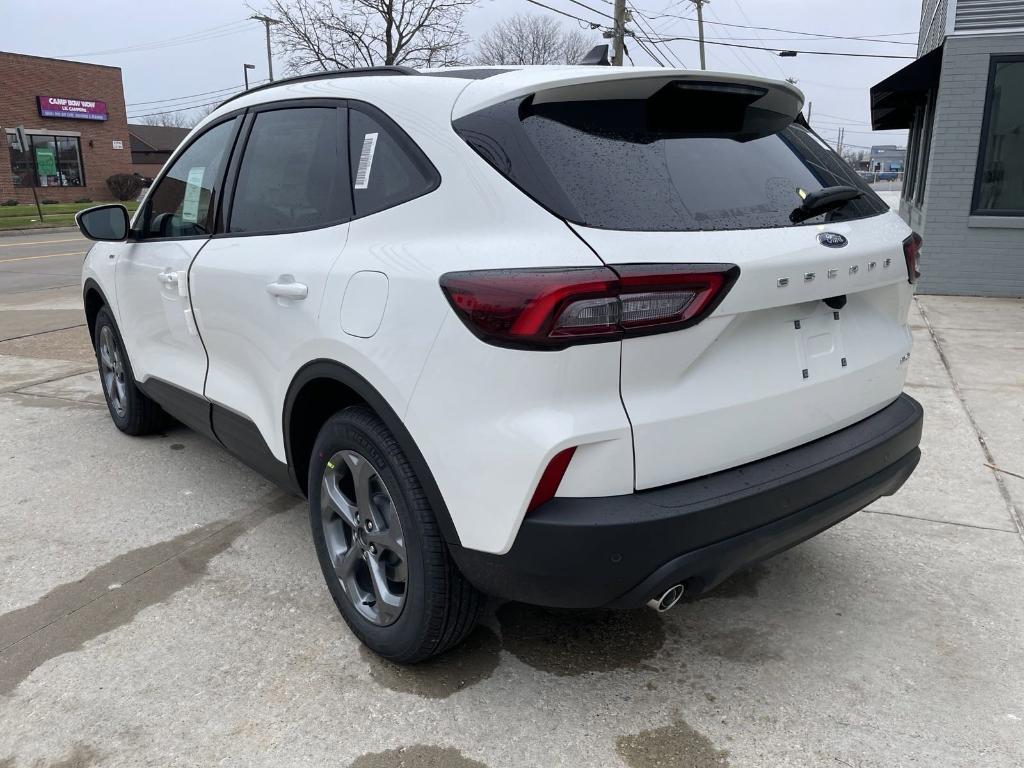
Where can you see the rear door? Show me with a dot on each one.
(257, 288)
(811, 337)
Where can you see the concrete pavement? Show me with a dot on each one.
(161, 605)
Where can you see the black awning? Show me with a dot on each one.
(894, 100)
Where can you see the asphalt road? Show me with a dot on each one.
(161, 605)
(40, 261)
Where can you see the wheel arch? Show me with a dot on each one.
(94, 300)
(323, 387)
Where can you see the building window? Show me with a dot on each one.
(999, 186)
(21, 165)
(53, 161)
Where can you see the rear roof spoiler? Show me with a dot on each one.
(590, 83)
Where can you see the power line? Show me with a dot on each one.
(639, 17)
(861, 38)
(591, 24)
(229, 89)
(750, 63)
(746, 18)
(589, 8)
(776, 50)
(649, 52)
(182, 108)
(194, 37)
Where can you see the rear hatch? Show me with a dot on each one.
(692, 168)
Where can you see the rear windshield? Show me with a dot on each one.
(607, 164)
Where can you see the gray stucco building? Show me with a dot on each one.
(963, 101)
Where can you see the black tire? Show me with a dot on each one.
(440, 607)
(135, 414)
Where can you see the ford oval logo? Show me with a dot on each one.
(832, 240)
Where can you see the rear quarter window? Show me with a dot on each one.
(602, 164)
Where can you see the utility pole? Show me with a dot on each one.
(267, 21)
(810, 106)
(700, 29)
(618, 32)
(839, 143)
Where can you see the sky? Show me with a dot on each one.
(201, 45)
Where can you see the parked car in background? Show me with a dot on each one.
(580, 337)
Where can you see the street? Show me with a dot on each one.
(162, 604)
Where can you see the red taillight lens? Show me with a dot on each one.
(551, 479)
(912, 252)
(555, 308)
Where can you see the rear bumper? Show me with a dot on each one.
(620, 551)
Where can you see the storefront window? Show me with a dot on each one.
(999, 189)
(55, 161)
(21, 166)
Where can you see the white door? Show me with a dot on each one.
(257, 289)
(152, 271)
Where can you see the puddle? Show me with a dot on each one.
(470, 663)
(33, 635)
(570, 643)
(177, 446)
(673, 746)
(416, 756)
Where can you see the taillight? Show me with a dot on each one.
(912, 253)
(555, 308)
(551, 479)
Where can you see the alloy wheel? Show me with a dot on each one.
(364, 537)
(112, 371)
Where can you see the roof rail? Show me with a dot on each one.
(352, 72)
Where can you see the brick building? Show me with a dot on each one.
(76, 125)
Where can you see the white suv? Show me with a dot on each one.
(576, 336)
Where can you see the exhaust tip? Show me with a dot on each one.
(668, 599)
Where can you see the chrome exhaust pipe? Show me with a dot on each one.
(668, 599)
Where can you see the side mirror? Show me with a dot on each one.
(104, 222)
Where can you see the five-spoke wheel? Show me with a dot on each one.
(364, 537)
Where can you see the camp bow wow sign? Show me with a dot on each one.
(75, 109)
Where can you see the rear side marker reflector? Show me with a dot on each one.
(556, 308)
(551, 479)
(912, 253)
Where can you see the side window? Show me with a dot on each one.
(182, 203)
(294, 172)
(387, 167)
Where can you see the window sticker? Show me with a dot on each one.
(366, 161)
(193, 191)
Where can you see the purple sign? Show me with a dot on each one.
(74, 109)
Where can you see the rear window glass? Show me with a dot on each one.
(601, 164)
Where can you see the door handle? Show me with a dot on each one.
(168, 277)
(287, 288)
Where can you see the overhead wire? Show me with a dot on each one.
(639, 17)
(213, 33)
(857, 38)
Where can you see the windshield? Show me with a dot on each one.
(610, 164)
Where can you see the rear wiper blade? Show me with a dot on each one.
(824, 200)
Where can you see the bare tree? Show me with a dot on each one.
(528, 39)
(337, 34)
(182, 118)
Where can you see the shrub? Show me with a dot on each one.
(9, 201)
(124, 186)
(50, 202)
(84, 200)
